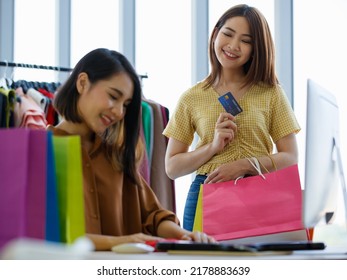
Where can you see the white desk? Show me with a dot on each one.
(327, 254)
(40, 250)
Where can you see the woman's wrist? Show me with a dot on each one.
(248, 168)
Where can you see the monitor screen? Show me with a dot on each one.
(322, 174)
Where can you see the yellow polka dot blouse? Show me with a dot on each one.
(267, 117)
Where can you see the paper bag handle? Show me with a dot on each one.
(256, 165)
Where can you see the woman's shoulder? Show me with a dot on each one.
(264, 89)
(197, 91)
(200, 86)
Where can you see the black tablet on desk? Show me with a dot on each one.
(229, 247)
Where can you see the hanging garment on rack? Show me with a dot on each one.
(40, 92)
(52, 116)
(26, 85)
(8, 100)
(144, 166)
(28, 113)
(39, 98)
(147, 126)
(161, 184)
(3, 104)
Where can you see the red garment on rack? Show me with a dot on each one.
(51, 114)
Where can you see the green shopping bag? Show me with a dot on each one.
(68, 161)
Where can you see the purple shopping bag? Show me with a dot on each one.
(22, 183)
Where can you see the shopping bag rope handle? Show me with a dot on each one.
(256, 165)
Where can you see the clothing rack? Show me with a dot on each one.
(44, 67)
(35, 66)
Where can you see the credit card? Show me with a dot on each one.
(230, 104)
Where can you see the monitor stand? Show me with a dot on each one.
(329, 217)
(342, 176)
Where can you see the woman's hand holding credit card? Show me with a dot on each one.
(230, 104)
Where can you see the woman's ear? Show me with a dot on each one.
(82, 82)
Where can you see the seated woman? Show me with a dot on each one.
(101, 102)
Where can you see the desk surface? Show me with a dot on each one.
(327, 254)
(38, 250)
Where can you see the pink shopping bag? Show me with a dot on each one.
(253, 206)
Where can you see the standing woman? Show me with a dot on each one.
(241, 53)
(101, 103)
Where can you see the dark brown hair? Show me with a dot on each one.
(122, 139)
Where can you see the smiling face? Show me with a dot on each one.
(103, 103)
(233, 44)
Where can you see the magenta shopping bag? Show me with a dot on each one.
(253, 206)
(22, 183)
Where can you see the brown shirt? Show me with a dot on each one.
(113, 204)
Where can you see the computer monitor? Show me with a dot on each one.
(324, 175)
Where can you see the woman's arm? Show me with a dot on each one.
(166, 229)
(169, 229)
(106, 242)
(287, 154)
(179, 161)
